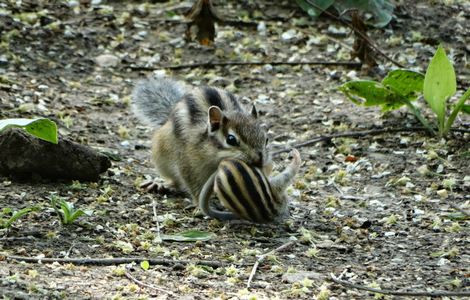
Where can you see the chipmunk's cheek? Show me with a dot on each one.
(256, 159)
(268, 168)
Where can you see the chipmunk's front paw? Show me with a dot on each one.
(154, 186)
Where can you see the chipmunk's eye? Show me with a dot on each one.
(232, 140)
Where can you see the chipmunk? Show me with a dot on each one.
(199, 127)
(247, 192)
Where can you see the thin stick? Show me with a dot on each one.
(401, 293)
(210, 64)
(358, 134)
(17, 238)
(70, 250)
(155, 218)
(115, 261)
(455, 206)
(262, 257)
(143, 284)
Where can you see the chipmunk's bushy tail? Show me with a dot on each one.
(153, 99)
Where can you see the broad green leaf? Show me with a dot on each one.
(371, 93)
(408, 84)
(439, 84)
(459, 106)
(41, 128)
(16, 215)
(317, 9)
(66, 211)
(7, 210)
(466, 108)
(189, 236)
(78, 213)
(145, 265)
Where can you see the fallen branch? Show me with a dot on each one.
(209, 64)
(17, 238)
(356, 134)
(115, 261)
(143, 284)
(401, 293)
(456, 207)
(155, 219)
(262, 257)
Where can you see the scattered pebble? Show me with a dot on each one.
(107, 60)
(289, 35)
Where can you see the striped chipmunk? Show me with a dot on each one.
(195, 129)
(247, 191)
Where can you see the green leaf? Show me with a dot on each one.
(408, 84)
(16, 215)
(66, 210)
(189, 236)
(439, 84)
(317, 9)
(459, 106)
(466, 108)
(371, 93)
(78, 213)
(41, 128)
(7, 210)
(144, 265)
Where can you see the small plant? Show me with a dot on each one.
(41, 128)
(66, 211)
(8, 216)
(401, 87)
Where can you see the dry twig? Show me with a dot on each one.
(155, 218)
(456, 207)
(212, 64)
(143, 284)
(355, 134)
(262, 257)
(362, 47)
(401, 293)
(115, 261)
(17, 238)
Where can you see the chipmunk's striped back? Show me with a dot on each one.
(245, 190)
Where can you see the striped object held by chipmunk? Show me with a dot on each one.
(247, 192)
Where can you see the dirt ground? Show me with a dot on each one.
(378, 209)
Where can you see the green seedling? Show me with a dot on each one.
(41, 128)
(439, 86)
(8, 216)
(66, 211)
(402, 87)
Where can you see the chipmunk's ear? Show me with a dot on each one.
(215, 118)
(254, 112)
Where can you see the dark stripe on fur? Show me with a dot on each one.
(213, 97)
(178, 127)
(256, 198)
(227, 198)
(195, 114)
(215, 142)
(249, 209)
(234, 101)
(267, 195)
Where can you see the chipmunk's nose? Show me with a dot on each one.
(259, 162)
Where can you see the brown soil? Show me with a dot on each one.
(376, 219)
